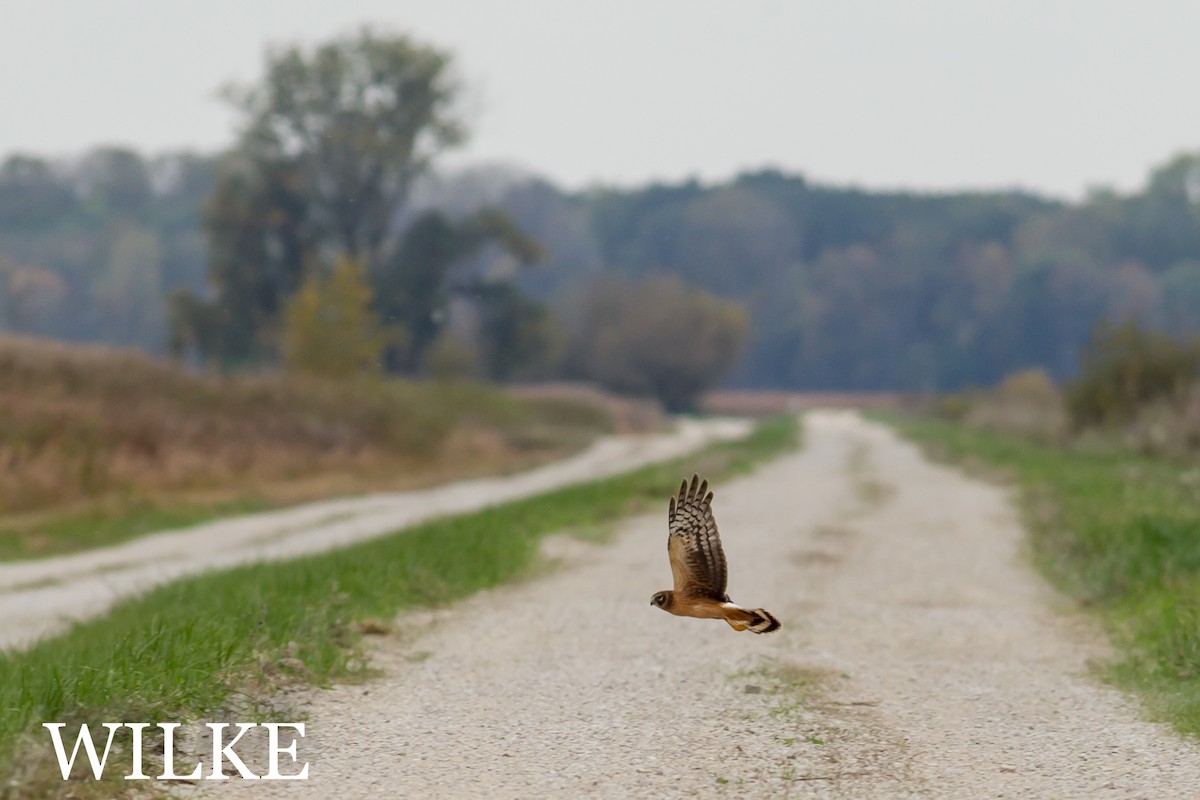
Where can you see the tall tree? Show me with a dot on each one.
(361, 117)
(332, 141)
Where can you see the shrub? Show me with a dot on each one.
(1026, 403)
(330, 330)
(657, 337)
(1126, 367)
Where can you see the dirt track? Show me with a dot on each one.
(41, 597)
(919, 658)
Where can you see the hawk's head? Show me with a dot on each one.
(663, 599)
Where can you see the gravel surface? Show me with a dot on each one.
(41, 597)
(919, 658)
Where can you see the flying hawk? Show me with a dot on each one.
(698, 565)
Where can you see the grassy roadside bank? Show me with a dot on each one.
(196, 648)
(1121, 534)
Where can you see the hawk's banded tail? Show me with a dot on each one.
(758, 620)
(764, 621)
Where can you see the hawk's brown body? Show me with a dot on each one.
(698, 565)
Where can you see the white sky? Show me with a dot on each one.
(1051, 95)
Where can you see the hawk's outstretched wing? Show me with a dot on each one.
(694, 545)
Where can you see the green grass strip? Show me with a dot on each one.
(184, 651)
(1119, 532)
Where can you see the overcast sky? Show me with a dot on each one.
(1050, 95)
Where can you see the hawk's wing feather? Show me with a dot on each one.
(694, 544)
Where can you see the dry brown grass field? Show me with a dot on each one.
(89, 433)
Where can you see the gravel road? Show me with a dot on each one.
(42, 597)
(919, 658)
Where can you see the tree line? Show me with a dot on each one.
(327, 240)
(850, 289)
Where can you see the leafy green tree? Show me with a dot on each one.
(333, 138)
(330, 329)
(261, 247)
(360, 118)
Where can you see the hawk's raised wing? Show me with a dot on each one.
(694, 545)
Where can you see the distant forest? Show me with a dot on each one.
(841, 288)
